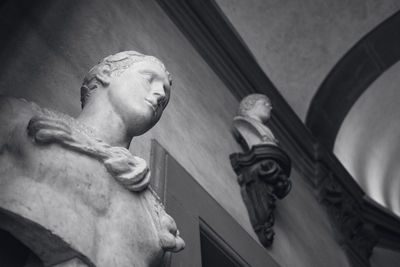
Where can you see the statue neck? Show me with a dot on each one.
(100, 116)
(255, 119)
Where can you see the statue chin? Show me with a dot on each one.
(140, 120)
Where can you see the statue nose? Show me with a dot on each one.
(159, 93)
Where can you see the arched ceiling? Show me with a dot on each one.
(351, 76)
(368, 141)
(297, 43)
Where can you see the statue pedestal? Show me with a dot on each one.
(263, 173)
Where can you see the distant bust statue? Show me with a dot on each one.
(249, 127)
(263, 168)
(65, 183)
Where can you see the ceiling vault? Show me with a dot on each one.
(352, 75)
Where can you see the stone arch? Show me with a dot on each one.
(350, 77)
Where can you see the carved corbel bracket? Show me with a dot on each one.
(263, 175)
(357, 236)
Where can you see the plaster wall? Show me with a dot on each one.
(297, 43)
(50, 45)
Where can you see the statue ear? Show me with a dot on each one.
(104, 74)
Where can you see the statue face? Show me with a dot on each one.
(261, 110)
(140, 95)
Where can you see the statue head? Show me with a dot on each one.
(138, 88)
(256, 106)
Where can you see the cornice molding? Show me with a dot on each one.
(206, 27)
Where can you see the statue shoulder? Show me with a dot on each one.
(251, 132)
(15, 114)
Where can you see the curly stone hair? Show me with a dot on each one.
(248, 102)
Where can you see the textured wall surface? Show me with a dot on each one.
(51, 44)
(298, 42)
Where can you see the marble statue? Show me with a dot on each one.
(70, 189)
(263, 168)
(250, 124)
